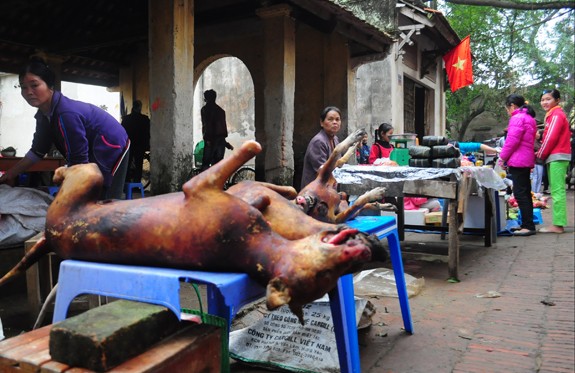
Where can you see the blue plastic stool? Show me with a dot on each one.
(226, 293)
(537, 217)
(52, 190)
(128, 187)
(386, 227)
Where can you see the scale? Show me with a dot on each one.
(401, 152)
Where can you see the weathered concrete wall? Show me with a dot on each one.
(379, 13)
(379, 88)
(319, 82)
(374, 103)
(232, 81)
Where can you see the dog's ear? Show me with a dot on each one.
(277, 293)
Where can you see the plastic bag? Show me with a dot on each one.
(445, 151)
(199, 153)
(419, 151)
(384, 162)
(446, 162)
(414, 162)
(381, 282)
(434, 140)
(279, 341)
(499, 170)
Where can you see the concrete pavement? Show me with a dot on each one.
(529, 328)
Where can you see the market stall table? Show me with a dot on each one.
(453, 185)
(45, 164)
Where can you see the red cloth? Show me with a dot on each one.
(413, 203)
(458, 65)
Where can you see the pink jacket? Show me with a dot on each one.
(518, 148)
(556, 145)
(413, 203)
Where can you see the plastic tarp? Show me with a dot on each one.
(349, 174)
(22, 213)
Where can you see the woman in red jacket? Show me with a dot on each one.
(556, 152)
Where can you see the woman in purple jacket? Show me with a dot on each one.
(82, 133)
(518, 153)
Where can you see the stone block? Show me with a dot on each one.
(106, 336)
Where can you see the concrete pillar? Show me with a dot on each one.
(336, 77)
(397, 80)
(279, 91)
(171, 48)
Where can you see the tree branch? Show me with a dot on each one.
(516, 5)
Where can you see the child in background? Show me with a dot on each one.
(362, 151)
(381, 148)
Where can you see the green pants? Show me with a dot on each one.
(556, 172)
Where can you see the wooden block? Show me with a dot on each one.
(106, 336)
(195, 349)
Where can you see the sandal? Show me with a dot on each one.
(552, 229)
(525, 232)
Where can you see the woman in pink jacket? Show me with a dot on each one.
(555, 150)
(518, 153)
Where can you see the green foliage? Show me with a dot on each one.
(514, 51)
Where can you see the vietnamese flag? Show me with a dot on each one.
(458, 65)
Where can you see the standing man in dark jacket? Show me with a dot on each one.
(137, 126)
(214, 130)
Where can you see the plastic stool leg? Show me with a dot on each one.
(141, 190)
(397, 263)
(217, 305)
(342, 304)
(128, 191)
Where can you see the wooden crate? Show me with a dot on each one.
(195, 348)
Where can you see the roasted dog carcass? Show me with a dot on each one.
(202, 227)
(287, 219)
(320, 198)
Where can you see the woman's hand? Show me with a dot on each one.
(6, 178)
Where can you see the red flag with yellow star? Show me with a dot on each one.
(458, 65)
